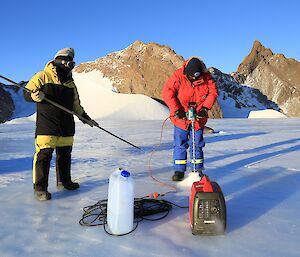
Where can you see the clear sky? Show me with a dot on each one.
(221, 32)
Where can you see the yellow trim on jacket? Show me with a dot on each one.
(49, 75)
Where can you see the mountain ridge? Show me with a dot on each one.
(143, 68)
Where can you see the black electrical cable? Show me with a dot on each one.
(95, 215)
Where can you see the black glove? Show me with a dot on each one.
(202, 113)
(180, 114)
(93, 123)
(89, 121)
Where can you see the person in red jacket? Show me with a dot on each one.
(190, 85)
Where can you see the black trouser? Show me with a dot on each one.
(42, 166)
(63, 164)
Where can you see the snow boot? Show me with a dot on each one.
(63, 169)
(69, 185)
(200, 173)
(178, 176)
(42, 195)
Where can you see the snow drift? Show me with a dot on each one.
(266, 114)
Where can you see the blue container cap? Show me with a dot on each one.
(125, 173)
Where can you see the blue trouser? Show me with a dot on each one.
(183, 139)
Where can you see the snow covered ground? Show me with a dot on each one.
(255, 161)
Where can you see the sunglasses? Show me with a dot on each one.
(195, 76)
(65, 63)
(68, 64)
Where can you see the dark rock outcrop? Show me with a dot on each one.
(241, 95)
(7, 106)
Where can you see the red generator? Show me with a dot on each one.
(207, 208)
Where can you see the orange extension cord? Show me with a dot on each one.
(155, 194)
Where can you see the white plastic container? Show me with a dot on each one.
(120, 204)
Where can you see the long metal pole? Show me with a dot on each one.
(193, 139)
(68, 111)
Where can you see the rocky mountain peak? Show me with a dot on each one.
(274, 75)
(257, 54)
(140, 68)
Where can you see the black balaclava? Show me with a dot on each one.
(194, 69)
(64, 66)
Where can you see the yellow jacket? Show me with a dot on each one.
(50, 119)
(49, 75)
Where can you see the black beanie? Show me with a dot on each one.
(194, 67)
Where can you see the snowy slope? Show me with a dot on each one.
(266, 114)
(256, 162)
(99, 99)
(22, 108)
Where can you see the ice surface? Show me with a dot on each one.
(255, 161)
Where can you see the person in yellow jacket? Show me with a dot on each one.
(55, 128)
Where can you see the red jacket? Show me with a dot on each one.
(179, 91)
